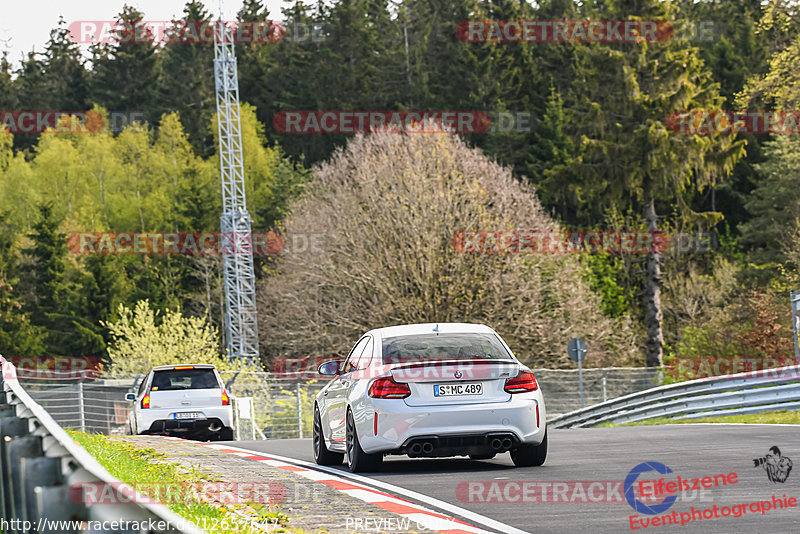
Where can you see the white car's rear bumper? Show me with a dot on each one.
(149, 416)
(399, 423)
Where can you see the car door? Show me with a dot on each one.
(336, 395)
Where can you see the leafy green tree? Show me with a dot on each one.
(780, 27)
(143, 338)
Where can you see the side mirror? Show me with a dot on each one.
(130, 397)
(329, 368)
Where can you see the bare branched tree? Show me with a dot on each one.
(390, 206)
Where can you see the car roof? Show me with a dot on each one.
(429, 328)
(195, 365)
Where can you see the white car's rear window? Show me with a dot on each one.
(172, 379)
(433, 347)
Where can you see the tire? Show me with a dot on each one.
(321, 453)
(358, 460)
(530, 455)
(487, 456)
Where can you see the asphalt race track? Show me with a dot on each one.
(605, 456)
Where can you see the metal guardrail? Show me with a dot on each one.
(742, 393)
(44, 474)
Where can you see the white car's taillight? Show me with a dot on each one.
(522, 383)
(387, 388)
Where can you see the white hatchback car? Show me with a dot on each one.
(183, 400)
(429, 390)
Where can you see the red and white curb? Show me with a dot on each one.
(420, 516)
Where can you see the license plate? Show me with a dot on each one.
(187, 415)
(456, 390)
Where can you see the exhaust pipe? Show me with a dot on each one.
(427, 447)
(416, 448)
(496, 444)
(506, 444)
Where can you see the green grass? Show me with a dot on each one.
(770, 418)
(148, 471)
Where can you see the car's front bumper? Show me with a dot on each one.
(399, 424)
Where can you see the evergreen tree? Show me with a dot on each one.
(18, 337)
(630, 157)
(55, 304)
(187, 80)
(8, 90)
(125, 73)
(774, 204)
(65, 78)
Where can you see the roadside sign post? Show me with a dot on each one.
(794, 299)
(576, 350)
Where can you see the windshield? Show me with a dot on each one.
(173, 379)
(433, 347)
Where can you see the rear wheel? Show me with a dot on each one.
(321, 453)
(357, 459)
(530, 455)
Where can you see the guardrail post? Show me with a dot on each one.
(81, 407)
(37, 472)
(604, 386)
(299, 411)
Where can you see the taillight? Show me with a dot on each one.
(522, 383)
(387, 388)
(225, 399)
(146, 401)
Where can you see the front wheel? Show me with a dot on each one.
(530, 455)
(321, 453)
(357, 459)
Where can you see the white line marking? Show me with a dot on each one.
(445, 506)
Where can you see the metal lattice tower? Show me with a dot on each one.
(240, 293)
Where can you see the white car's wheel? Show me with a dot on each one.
(530, 455)
(322, 455)
(357, 459)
